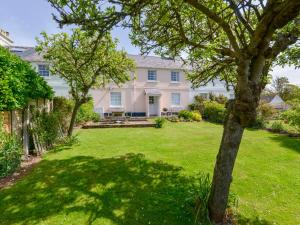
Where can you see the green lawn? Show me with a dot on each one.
(140, 176)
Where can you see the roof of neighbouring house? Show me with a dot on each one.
(29, 54)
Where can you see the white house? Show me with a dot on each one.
(157, 84)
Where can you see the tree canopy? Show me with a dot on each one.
(85, 60)
(19, 82)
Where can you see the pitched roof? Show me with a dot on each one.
(29, 54)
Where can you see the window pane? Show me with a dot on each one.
(43, 70)
(175, 76)
(115, 98)
(175, 99)
(152, 75)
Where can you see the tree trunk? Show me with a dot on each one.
(232, 136)
(73, 118)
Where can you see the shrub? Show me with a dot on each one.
(196, 116)
(173, 118)
(62, 107)
(159, 122)
(277, 126)
(214, 111)
(86, 113)
(292, 116)
(259, 123)
(10, 152)
(186, 115)
(266, 111)
(47, 127)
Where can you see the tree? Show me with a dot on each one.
(19, 82)
(236, 41)
(279, 84)
(85, 61)
(290, 92)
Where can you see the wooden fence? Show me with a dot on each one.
(17, 121)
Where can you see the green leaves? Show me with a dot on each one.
(85, 60)
(19, 82)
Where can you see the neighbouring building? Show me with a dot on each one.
(29, 54)
(5, 39)
(157, 85)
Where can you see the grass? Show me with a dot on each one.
(137, 176)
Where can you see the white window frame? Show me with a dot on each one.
(112, 103)
(45, 71)
(177, 103)
(176, 75)
(152, 74)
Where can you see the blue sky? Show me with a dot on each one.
(25, 19)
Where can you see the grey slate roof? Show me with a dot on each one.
(29, 54)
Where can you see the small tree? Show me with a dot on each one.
(85, 61)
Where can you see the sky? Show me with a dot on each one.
(26, 19)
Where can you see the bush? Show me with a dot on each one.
(292, 116)
(63, 107)
(266, 111)
(86, 113)
(159, 122)
(10, 152)
(186, 115)
(214, 111)
(173, 118)
(277, 126)
(47, 127)
(259, 123)
(196, 116)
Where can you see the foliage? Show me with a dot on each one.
(62, 108)
(277, 126)
(10, 152)
(86, 113)
(46, 126)
(259, 123)
(292, 116)
(185, 114)
(214, 112)
(266, 111)
(196, 116)
(173, 118)
(221, 99)
(279, 84)
(290, 92)
(85, 60)
(159, 122)
(198, 104)
(19, 82)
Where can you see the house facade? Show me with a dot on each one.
(157, 85)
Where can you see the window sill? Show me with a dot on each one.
(175, 82)
(152, 81)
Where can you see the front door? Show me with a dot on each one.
(153, 105)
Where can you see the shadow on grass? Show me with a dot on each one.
(124, 190)
(288, 142)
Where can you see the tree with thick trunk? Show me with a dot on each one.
(237, 41)
(85, 60)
